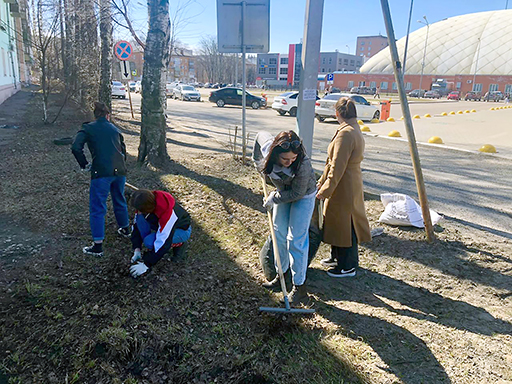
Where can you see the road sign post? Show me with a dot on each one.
(243, 27)
(123, 51)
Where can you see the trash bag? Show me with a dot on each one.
(267, 251)
(400, 209)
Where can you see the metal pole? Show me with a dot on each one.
(424, 53)
(407, 38)
(244, 80)
(309, 72)
(476, 65)
(130, 97)
(413, 148)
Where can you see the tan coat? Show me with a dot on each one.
(342, 186)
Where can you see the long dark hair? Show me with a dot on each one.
(286, 139)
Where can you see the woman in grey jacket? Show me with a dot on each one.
(290, 170)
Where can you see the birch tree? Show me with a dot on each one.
(105, 94)
(152, 147)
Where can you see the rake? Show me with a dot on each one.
(287, 308)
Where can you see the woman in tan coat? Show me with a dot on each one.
(341, 185)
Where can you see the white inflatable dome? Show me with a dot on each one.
(460, 45)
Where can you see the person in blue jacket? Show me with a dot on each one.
(108, 174)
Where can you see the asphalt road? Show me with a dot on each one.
(470, 187)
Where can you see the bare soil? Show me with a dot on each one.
(415, 313)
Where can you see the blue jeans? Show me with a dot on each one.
(291, 225)
(149, 237)
(98, 194)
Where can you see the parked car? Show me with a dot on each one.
(287, 102)
(169, 87)
(186, 92)
(417, 93)
(473, 95)
(118, 90)
(494, 96)
(432, 95)
(454, 95)
(132, 84)
(324, 108)
(233, 96)
(362, 90)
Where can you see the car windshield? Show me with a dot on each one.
(333, 96)
(286, 94)
(118, 83)
(188, 88)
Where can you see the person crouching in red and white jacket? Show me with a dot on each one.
(160, 224)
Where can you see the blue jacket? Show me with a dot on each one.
(106, 145)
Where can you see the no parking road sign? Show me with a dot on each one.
(123, 50)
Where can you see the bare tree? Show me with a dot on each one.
(105, 94)
(152, 145)
(45, 22)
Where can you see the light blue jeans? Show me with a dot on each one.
(291, 225)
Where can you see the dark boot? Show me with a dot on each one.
(179, 253)
(298, 295)
(276, 283)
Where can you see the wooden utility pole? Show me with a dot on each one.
(413, 148)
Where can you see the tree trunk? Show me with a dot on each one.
(105, 95)
(89, 57)
(156, 61)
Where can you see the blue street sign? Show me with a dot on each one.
(123, 50)
(330, 77)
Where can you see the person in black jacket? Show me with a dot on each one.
(108, 174)
(160, 224)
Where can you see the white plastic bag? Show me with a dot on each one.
(400, 209)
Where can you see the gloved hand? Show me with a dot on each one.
(137, 255)
(138, 269)
(268, 203)
(87, 168)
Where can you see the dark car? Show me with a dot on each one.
(494, 96)
(233, 96)
(473, 95)
(417, 93)
(432, 95)
(362, 90)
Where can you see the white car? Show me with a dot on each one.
(138, 86)
(186, 92)
(169, 88)
(118, 90)
(324, 108)
(287, 102)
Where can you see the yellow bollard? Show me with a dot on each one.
(427, 115)
(394, 134)
(473, 110)
(444, 114)
(488, 148)
(452, 113)
(364, 128)
(435, 140)
(360, 122)
(416, 117)
(390, 119)
(375, 121)
(459, 112)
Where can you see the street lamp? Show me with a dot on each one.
(424, 50)
(348, 48)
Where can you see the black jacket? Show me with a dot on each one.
(106, 145)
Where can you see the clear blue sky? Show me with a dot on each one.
(343, 20)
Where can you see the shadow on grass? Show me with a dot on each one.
(449, 257)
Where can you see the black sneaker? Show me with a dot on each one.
(336, 272)
(94, 250)
(125, 232)
(330, 262)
